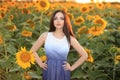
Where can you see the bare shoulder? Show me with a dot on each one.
(72, 38)
(43, 36)
(73, 41)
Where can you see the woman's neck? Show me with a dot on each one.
(58, 32)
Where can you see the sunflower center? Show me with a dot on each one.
(43, 4)
(25, 11)
(79, 20)
(99, 21)
(2, 14)
(1, 40)
(84, 9)
(96, 29)
(90, 7)
(25, 57)
(100, 5)
(26, 33)
(11, 27)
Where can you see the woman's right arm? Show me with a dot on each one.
(36, 46)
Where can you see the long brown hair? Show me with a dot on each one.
(67, 29)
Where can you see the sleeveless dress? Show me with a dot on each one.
(56, 52)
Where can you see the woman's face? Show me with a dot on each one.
(59, 20)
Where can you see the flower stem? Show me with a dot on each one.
(6, 55)
(114, 67)
(41, 16)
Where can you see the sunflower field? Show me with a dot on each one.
(96, 27)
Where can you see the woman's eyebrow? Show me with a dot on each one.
(57, 17)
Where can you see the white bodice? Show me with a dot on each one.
(56, 48)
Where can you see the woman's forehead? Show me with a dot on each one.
(60, 14)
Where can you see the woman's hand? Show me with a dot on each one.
(67, 66)
(43, 65)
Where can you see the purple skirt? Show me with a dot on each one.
(55, 70)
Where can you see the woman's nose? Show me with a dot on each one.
(58, 20)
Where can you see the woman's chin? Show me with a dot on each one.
(59, 27)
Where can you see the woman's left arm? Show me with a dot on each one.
(83, 55)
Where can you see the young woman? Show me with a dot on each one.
(57, 44)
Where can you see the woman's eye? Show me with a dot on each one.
(62, 18)
(55, 18)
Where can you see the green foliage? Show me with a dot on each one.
(104, 47)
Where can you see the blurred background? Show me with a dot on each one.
(80, 1)
(96, 24)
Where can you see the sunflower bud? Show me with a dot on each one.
(113, 50)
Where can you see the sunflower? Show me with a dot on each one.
(79, 20)
(92, 1)
(91, 7)
(2, 15)
(100, 6)
(70, 16)
(25, 58)
(117, 6)
(112, 14)
(89, 17)
(116, 61)
(48, 13)
(95, 31)
(11, 27)
(26, 5)
(4, 9)
(82, 30)
(64, 9)
(25, 11)
(90, 58)
(12, 3)
(1, 39)
(31, 23)
(118, 57)
(43, 58)
(101, 22)
(26, 33)
(108, 4)
(43, 5)
(119, 28)
(84, 8)
(27, 76)
(96, 16)
(11, 17)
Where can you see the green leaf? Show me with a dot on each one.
(77, 74)
(94, 74)
(14, 68)
(35, 75)
(11, 49)
(14, 76)
(6, 63)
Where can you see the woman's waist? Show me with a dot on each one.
(56, 59)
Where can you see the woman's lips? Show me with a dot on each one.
(58, 24)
